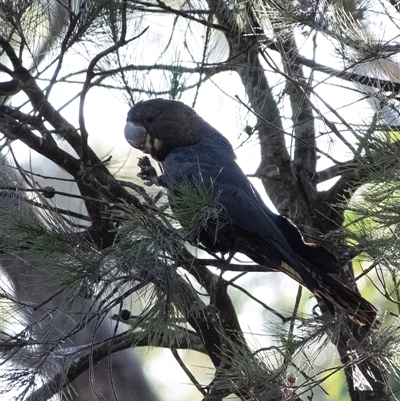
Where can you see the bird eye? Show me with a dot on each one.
(149, 119)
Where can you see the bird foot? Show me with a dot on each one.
(147, 172)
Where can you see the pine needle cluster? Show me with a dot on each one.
(195, 205)
(146, 253)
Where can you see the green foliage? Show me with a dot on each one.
(254, 374)
(142, 261)
(383, 345)
(146, 252)
(36, 26)
(195, 205)
(48, 244)
(372, 219)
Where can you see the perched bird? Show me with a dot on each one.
(193, 153)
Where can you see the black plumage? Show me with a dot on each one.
(191, 151)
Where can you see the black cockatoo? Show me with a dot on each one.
(191, 151)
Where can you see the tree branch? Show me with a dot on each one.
(118, 343)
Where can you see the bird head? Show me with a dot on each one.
(158, 126)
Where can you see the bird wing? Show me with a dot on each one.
(215, 168)
(193, 152)
(256, 231)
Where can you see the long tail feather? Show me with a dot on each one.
(322, 284)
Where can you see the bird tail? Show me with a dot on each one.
(320, 282)
(359, 310)
(335, 293)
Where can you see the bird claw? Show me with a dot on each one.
(147, 172)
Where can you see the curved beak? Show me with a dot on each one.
(136, 135)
